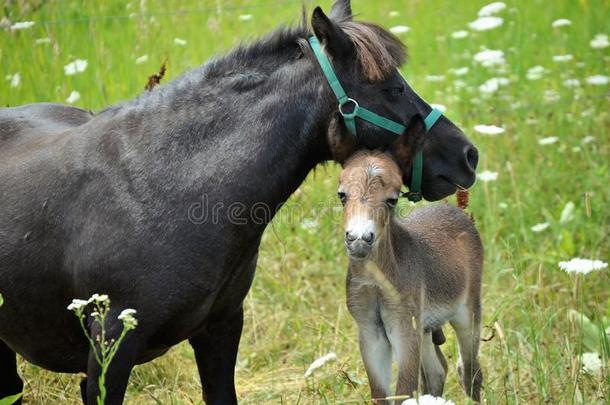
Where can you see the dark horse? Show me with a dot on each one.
(100, 202)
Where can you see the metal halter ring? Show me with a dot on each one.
(353, 113)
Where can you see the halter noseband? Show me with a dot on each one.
(349, 118)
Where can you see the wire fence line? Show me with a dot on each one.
(218, 9)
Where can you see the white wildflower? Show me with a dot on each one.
(127, 316)
(180, 41)
(319, 363)
(548, 140)
(490, 57)
(77, 304)
(99, 298)
(578, 265)
(562, 58)
(459, 34)
(435, 78)
(492, 85)
(492, 8)
(502, 205)
(490, 130)
(587, 139)
(535, 72)
(540, 227)
(550, 96)
(485, 23)
(571, 83)
(141, 59)
(245, 17)
(78, 66)
(22, 25)
(600, 41)
(592, 363)
(400, 29)
(16, 80)
(598, 80)
(439, 107)
(427, 400)
(459, 84)
(73, 97)
(486, 176)
(394, 13)
(41, 41)
(562, 22)
(459, 71)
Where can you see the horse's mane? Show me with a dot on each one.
(379, 54)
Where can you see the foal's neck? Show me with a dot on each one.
(385, 252)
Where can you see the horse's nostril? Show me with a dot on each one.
(349, 237)
(368, 237)
(472, 157)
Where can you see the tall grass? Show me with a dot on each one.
(296, 310)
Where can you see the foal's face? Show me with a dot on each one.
(369, 188)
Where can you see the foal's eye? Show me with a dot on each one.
(391, 202)
(342, 197)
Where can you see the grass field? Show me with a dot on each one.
(296, 309)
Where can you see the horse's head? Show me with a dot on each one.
(369, 187)
(366, 59)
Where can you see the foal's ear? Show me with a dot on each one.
(341, 11)
(341, 143)
(407, 145)
(329, 34)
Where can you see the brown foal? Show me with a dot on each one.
(406, 278)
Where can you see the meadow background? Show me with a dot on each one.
(545, 199)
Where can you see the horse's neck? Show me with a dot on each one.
(252, 146)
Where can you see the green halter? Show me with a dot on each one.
(349, 118)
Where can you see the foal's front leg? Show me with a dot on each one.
(405, 339)
(377, 355)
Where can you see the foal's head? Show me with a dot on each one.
(369, 188)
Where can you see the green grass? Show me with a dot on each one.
(296, 309)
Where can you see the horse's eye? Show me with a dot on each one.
(396, 91)
(342, 197)
(391, 202)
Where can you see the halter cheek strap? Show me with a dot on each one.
(358, 111)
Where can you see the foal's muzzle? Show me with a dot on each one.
(359, 248)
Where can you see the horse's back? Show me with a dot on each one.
(27, 123)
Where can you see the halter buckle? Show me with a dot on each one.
(413, 196)
(354, 111)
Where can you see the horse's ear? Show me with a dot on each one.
(329, 34)
(341, 11)
(407, 145)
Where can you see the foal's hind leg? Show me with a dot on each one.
(433, 367)
(10, 382)
(467, 325)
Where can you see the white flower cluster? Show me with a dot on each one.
(128, 318)
(428, 400)
(78, 304)
(579, 265)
